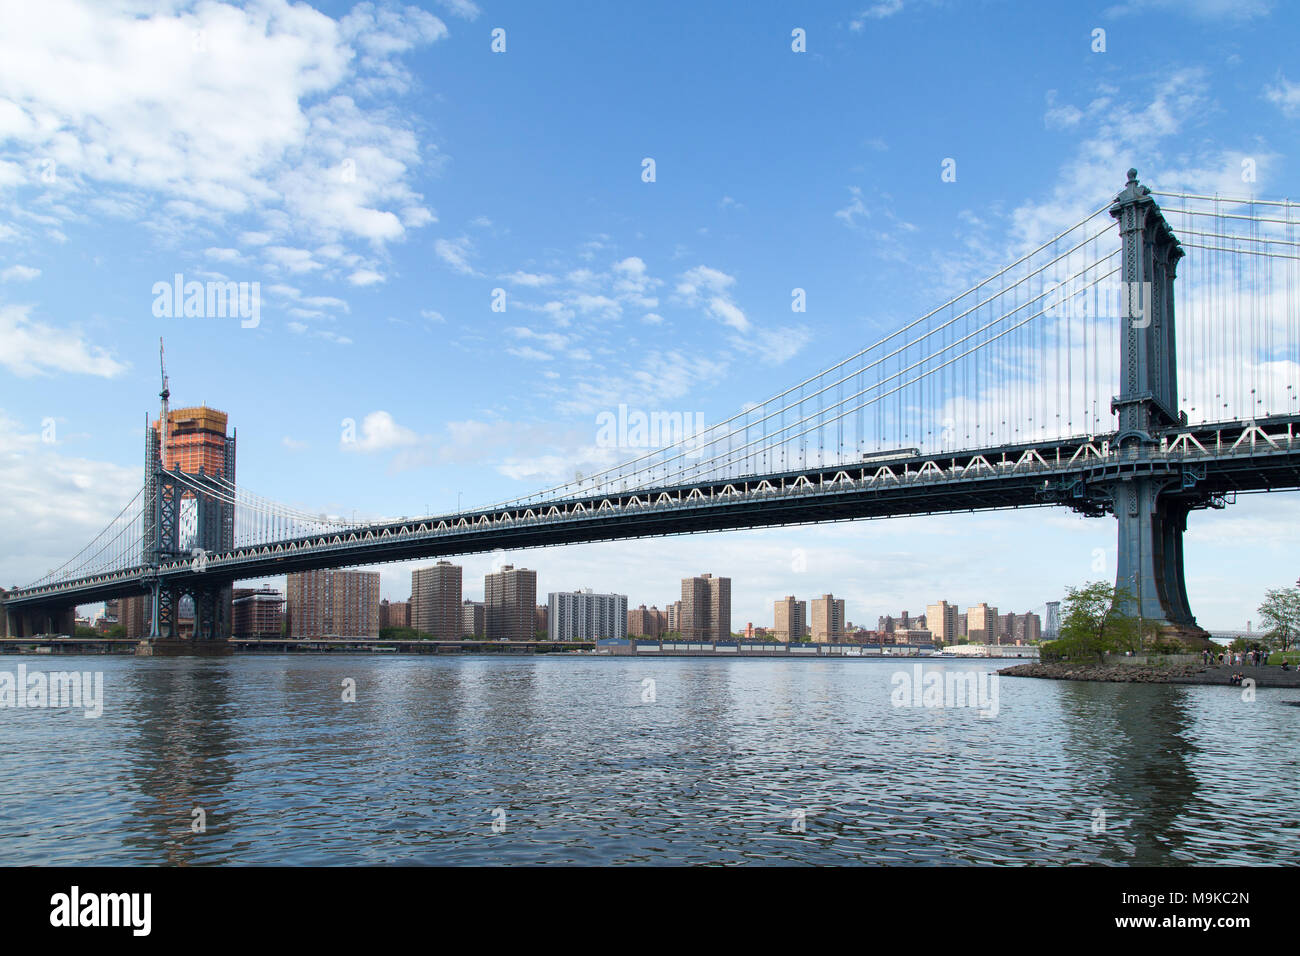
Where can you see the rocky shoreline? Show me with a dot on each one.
(1154, 674)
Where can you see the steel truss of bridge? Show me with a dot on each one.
(1207, 464)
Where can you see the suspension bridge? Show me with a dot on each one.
(1063, 379)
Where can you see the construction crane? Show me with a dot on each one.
(164, 415)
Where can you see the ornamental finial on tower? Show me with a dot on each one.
(1132, 192)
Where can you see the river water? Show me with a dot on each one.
(578, 759)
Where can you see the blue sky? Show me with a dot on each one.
(379, 170)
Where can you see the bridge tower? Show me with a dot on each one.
(1052, 626)
(181, 522)
(1150, 499)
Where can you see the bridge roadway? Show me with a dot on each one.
(1218, 460)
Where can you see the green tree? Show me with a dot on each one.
(1280, 617)
(1093, 623)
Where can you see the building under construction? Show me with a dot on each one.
(197, 442)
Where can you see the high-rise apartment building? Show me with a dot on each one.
(982, 624)
(510, 596)
(257, 612)
(394, 614)
(789, 619)
(887, 624)
(643, 622)
(134, 614)
(706, 608)
(586, 616)
(826, 625)
(1019, 628)
(673, 612)
(941, 621)
(333, 604)
(473, 619)
(435, 600)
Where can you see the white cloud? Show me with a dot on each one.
(776, 345)
(19, 274)
(1200, 9)
(218, 111)
(382, 32)
(455, 252)
(552, 340)
(292, 260)
(598, 305)
(709, 288)
(380, 432)
(325, 302)
(30, 348)
(1285, 96)
(1062, 117)
(465, 9)
(877, 11)
(661, 377)
(855, 209)
(225, 255)
(365, 277)
(528, 279)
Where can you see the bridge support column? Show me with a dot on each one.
(211, 613)
(154, 602)
(1149, 559)
(165, 603)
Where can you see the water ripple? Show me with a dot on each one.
(719, 769)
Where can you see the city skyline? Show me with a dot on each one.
(631, 604)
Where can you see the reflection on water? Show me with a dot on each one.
(718, 769)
